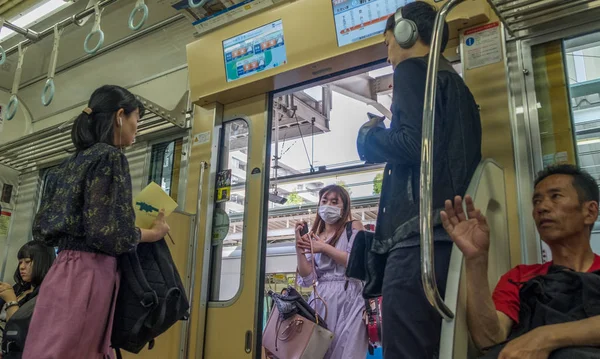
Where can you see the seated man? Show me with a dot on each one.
(565, 208)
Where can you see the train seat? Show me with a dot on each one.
(487, 188)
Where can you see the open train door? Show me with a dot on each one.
(228, 179)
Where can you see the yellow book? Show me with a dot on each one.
(149, 202)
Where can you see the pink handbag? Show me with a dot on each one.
(297, 337)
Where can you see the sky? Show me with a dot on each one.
(336, 147)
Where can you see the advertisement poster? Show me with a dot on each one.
(220, 225)
(4, 222)
(223, 186)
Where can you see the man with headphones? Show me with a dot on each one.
(411, 327)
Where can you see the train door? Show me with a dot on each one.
(231, 141)
(313, 146)
(561, 74)
(267, 157)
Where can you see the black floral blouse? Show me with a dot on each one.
(87, 204)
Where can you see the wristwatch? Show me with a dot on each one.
(12, 304)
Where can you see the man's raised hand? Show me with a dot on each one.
(471, 234)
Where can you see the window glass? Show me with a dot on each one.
(231, 187)
(582, 58)
(165, 160)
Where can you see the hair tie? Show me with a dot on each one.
(87, 111)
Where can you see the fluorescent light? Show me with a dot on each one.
(33, 16)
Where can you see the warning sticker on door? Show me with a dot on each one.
(482, 46)
(201, 138)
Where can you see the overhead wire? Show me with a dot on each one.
(310, 162)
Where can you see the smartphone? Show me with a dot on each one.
(304, 230)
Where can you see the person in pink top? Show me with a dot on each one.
(565, 209)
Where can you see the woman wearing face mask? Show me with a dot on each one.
(331, 246)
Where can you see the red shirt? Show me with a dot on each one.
(506, 295)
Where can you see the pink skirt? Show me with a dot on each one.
(74, 310)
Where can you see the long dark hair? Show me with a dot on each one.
(98, 127)
(346, 215)
(42, 258)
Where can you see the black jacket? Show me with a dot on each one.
(456, 153)
(561, 296)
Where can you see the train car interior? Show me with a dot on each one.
(253, 106)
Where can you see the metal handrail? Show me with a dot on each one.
(192, 267)
(28, 33)
(33, 36)
(427, 258)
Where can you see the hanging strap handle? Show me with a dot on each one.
(95, 30)
(140, 5)
(13, 104)
(2, 51)
(193, 4)
(49, 87)
(81, 22)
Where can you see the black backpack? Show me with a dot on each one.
(151, 297)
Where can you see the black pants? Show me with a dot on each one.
(411, 326)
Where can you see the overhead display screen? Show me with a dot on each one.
(357, 20)
(254, 51)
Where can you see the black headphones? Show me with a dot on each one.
(405, 31)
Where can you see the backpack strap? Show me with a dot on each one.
(136, 280)
(348, 235)
(164, 260)
(349, 229)
(162, 312)
(120, 355)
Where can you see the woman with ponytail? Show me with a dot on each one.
(87, 212)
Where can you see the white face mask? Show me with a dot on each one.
(330, 214)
